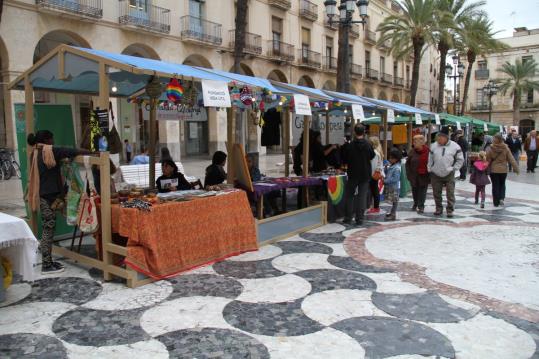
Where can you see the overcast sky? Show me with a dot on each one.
(508, 14)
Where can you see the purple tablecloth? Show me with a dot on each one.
(269, 184)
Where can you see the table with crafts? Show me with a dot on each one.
(18, 245)
(179, 234)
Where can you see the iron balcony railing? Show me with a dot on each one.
(399, 81)
(354, 31)
(370, 37)
(480, 106)
(330, 63)
(308, 10)
(280, 51)
(84, 8)
(197, 29)
(253, 42)
(309, 58)
(371, 74)
(482, 74)
(281, 4)
(387, 78)
(356, 70)
(151, 17)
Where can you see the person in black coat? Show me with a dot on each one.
(172, 179)
(357, 156)
(215, 173)
(461, 141)
(515, 146)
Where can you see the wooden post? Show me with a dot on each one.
(286, 144)
(410, 131)
(153, 137)
(384, 124)
(230, 136)
(29, 112)
(327, 127)
(428, 140)
(306, 127)
(106, 231)
(61, 65)
(103, 99)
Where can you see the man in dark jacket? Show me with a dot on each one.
(357, 156)
(461, 141)
(515, 146)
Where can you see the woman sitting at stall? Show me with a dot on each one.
(215, 173)
(172, 179)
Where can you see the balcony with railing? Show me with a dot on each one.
(479, 106)
(281, 4)
(195, 29)
(371, 74)
(280, 51)
(385, 45)
(330, 63)
(356, 70)
(482, 74)
(149, 18)
(330, 25)
(308, 58)
(387, 78)
(308, 10)
(90, 9)
(354, 31)
(253, 42)
(399, 81)
(370, 37)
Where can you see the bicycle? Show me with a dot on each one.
(8, 165)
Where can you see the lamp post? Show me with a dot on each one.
(455, 72)
(344, 19)
(490, 89)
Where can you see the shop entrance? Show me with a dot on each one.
(196, 137)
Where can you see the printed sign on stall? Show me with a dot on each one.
(215, 94)
(390, 116)
(485, 127)
(302, 105)
(418, 120)
(459, 127)
(357, 113)
(437, 119)
(501, 129)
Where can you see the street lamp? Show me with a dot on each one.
(490, 89)
(455, 72)
(344, 18)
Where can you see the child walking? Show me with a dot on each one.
(479, 177)
(392, 182)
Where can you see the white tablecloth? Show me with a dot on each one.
(18, 244)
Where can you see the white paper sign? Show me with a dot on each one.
(390, 116)
(485, 127)
(458, 126)
(418, 120)
(215, 94)
(302, 105)
(357, 113)
(501, 128)
(437, 119)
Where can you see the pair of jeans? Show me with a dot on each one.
(480, 190)
(532, 160)
(356, 198)
(438, 184)
(48, 221)
(516, 156)
(375, 193)
(498, 187)
(419, 195)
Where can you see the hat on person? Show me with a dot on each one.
(444, 131)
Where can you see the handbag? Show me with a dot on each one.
(74, 192)
(88, 221)
(115, 143)
(377, 175)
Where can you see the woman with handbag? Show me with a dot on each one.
(417, 173)
(377, 167)
(499, 156)
(46, 190)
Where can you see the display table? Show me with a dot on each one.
(18, 244)
(177, 236)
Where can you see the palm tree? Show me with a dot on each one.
(517, 82)
(456, 11)
(409, 32)
(242, 9)
(476, 38)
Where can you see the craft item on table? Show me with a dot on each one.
(336, 189)
(246, 97)
(174, 90)
(138, 204)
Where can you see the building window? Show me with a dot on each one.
(276, 31)
(482, 65)
(351, 53)
(395, 69)
(527, 97)
(329, 47)
(407, 73)
(481, 99)
(526, 58)
(382, 64)
(305, 42)
(367, 60)
(196, 8)
(141, 5)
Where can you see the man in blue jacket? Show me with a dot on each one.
(357, 156)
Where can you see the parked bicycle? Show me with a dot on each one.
(8, 165)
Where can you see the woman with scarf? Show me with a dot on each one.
(46, 190)
(417, 173)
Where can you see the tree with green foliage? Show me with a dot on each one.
(518, 80)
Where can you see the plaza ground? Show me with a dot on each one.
(418, 287)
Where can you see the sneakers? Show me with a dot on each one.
(482, 204)
(420, 210)
(391, 217)
(449, 214)
(438, 212)
(373, 211)
(501, 202)
(52, 268)
(414, 208)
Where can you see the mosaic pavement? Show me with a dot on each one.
(419, 287)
